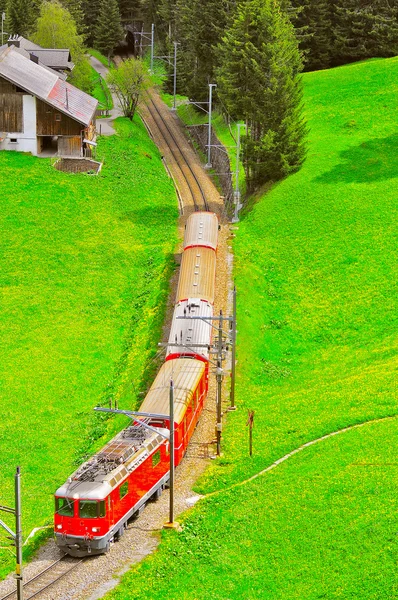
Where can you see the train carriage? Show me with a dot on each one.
(197, 274)
(93, 506)
(201, 230)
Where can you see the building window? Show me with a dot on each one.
(13, 141)
(156, 458)
(57, 117)
(124, 488)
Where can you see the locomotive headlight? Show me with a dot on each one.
(59, 526)
(95, 529)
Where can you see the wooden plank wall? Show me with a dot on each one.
(48, 125)
(11, 108)
(70, 146)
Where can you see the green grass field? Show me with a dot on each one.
(85, 265)
(315, 268)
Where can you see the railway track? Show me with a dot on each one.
(198, 196)
(46, 578)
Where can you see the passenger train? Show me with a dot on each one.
(93, 506)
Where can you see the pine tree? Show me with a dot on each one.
(108, 31)
(128, 10)
(365, 29)
(91, 9)
(258, 82)
(20, 17)
(313, 26)
(200, 27)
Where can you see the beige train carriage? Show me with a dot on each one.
(190, 382)
(201, 230)
(197, 274)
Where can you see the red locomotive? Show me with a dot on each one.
(94, 505)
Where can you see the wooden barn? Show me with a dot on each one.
(40, 112)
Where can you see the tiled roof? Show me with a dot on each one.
(47, 85)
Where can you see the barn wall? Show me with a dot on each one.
(11, 112)
(47, 123)
(20, 136)
(70, 146)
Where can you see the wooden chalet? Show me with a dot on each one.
(40, 112)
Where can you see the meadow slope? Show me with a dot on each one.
(84, 268)
(316, 272)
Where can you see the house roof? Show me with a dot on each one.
(53, 57)
(56, 58)
(47, 86)
(27, 55)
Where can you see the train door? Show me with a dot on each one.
(110, 511)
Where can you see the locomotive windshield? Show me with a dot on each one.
(64, 506)
(91, 509)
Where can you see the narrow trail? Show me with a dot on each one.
(296, 451)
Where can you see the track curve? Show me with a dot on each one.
(197, 193)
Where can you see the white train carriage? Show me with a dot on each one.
(191, 330)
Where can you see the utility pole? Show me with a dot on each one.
(3, 18)
(250, 419)
(219, 383)
(152, 44)
(175, 76)
(17, 536)
(208, 165)
(237, 203)
(233, 357)
(171, 509)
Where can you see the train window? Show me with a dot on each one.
(124, 488)
(88, 509)
(156, 458)
(64, 507)
(102, 508)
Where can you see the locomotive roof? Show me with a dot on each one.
(188, 332)
(197, 280)
(201, 230)
(186, 374)
(95, 479)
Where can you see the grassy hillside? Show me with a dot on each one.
(316, 275)
(84, 268)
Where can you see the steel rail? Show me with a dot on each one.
(13, 594)
(184, 162)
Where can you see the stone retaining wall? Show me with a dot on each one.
(219, 160)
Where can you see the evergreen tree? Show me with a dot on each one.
(20, 17)
(365, 29)
(91, 9)
(128, 10)
(108, 32)
(258, 82)
(200, 27)
(313, 24)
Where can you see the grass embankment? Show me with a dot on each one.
(316, 274)
(101, 91)
(85, 263)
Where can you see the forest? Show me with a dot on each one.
(254, 50)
